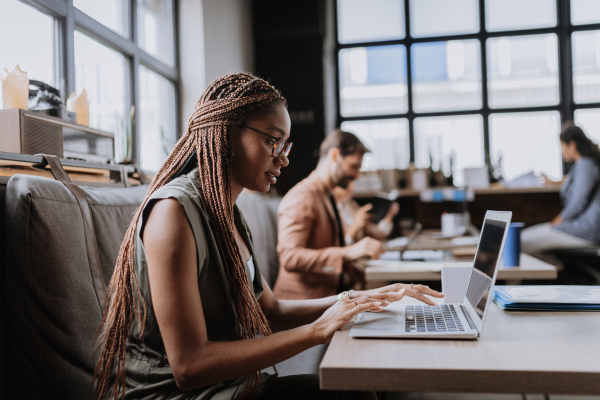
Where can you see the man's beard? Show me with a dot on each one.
(343, 183)
(342, 180)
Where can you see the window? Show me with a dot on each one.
(113, 14)
(442, 141)
(387, 139)
(131, 78)
(443, 17)
(155, 28)
(468, 79)
(362, 21)
(506, 15)
(589, 121)
(157, 119)
(373, 80)
(585, 12)
(586, 66)
(102, 72)
(523, 71)
(527, 142)
(32, 50)
(446, 75)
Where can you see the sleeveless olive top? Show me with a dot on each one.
(148, 373)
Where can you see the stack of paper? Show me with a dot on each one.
(413, 255)
(560, 298)
(397, 242)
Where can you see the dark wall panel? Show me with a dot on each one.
(289, 54)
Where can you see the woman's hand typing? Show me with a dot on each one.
(412, 290)
(344, 310)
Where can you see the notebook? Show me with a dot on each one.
(548, 298)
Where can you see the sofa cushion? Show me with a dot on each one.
(52, 308)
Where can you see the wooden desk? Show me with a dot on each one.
(402, 271)
(425, 242)
(519, 352)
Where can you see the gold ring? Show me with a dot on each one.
(356, 304)
(411, 285)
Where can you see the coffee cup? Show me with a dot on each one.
(512, 247)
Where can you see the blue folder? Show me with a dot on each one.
(548, 298)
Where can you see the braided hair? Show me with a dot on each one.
(208, 136)
(585, 146)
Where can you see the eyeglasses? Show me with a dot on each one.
(280, 146)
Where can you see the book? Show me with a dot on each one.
(548, 298)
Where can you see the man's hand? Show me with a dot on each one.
(392, 211)
(361, 219)
(366, 247)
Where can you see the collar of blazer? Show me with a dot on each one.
(324, 190)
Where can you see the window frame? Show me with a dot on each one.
(563, 30)
(68, 19)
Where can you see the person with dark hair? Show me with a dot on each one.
(578, 224)
(188, 315)
(311, 241)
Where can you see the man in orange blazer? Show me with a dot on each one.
(310, 244)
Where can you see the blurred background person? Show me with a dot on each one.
(313, 256)
(578, 222)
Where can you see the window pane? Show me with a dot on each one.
(586, 66)
(387, 140)
(155, 28)
(585, 12)
(114, 14)
(361, 21)
(32, 48)
(373, 81)
(443, 17)
(527, 142)
(446, 75)
(157, 119)
(589, 121)
(523, 71)
(102, 72)
(505, 15)
(443, 138)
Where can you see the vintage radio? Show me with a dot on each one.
(28, 132)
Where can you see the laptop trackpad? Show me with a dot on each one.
(380, 323)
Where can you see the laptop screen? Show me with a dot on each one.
(485, 264)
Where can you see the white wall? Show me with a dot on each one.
(228, 37)
(215, 38)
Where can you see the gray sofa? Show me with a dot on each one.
(52, 312)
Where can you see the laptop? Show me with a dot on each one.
(409, 255)
(411, 239)
(446, 321)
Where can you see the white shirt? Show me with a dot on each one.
(251, 266)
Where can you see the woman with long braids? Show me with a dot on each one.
(189, 315)
(578, 224)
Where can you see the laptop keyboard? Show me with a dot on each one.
(439, 318)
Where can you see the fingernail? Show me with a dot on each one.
(377, 303)
(386, 303)
(402, 291)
